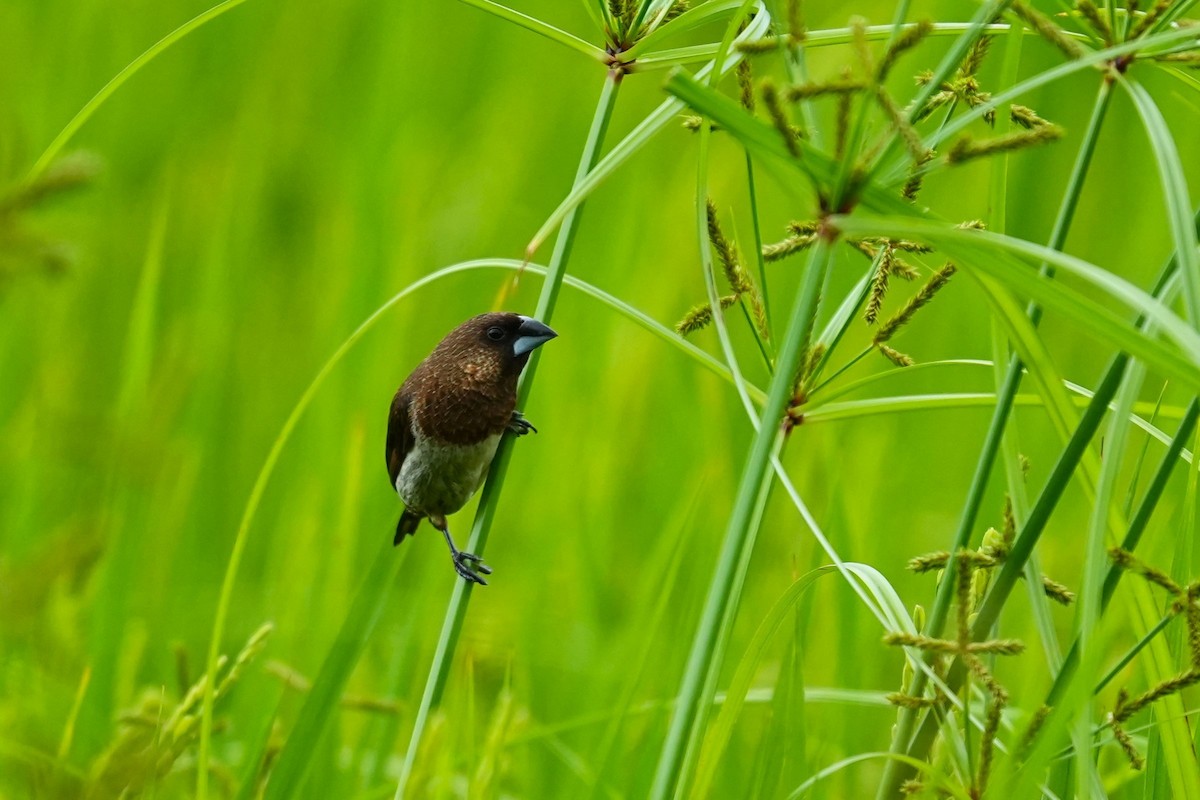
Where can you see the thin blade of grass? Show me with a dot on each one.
(1095, 560)
(539, 27)
(719, 734)
(935, 780)
(699, 662)
(899, 173)
(1175, 193)
(666, 564)
(295, 759)
(1093, 319)
(131, 69)
(689, 20)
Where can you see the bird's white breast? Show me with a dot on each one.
(439, 478)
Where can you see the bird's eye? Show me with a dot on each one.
(495, 334)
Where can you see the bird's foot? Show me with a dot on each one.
(463, 563)
(519, 425)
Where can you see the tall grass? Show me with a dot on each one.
(190, 404)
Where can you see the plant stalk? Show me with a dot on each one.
(700, 661)
(439, 670)
(895, 771)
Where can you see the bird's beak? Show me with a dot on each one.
(532, 334)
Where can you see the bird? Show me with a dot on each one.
(448, 416)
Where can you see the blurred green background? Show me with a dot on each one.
(274, 178)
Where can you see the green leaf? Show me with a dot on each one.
(321, 702)
(764, 141)
(735, 696)
(689, 20)
(992, 254)
(1175, 193)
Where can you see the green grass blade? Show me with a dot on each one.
(294, 760)
(1175, 193)
(257, 753)
(1095, 560)
(828, 37)
(800, 321)
(735, 696)
(689, 20)
(118, 573)
(539, 27)
(935, 780)
(693, 735)
(89, 108)
(922, 366)
(900, 173)
(1094, 320)
(667, 565)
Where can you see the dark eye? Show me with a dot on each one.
(495, 334)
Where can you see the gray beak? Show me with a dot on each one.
(531, 335)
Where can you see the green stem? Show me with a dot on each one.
(1132, 537)
(1123, 662)
(700, 660)
(439, 670)
(1045, 504)
(842, 369)
(894, 774)
(758, 243)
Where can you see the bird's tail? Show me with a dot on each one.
(407, 526)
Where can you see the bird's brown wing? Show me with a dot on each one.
(399, 434)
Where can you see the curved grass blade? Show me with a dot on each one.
(684, 739)
(991, 254)
(541, 28)
(739, 526)
(89, 108)
(735, 696)
(922, 366)
(660, 59)
(1175, 193)
(294, 760)
(1095, 559)
(689, 20)
(1097, 59)
(938, 781)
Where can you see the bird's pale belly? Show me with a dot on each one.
(440, 478)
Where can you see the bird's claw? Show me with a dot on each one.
(519, 425)
(461, 562)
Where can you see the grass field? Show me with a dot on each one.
(213, 279)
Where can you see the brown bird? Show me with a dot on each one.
(447, 419)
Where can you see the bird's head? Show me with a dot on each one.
(495, 345)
